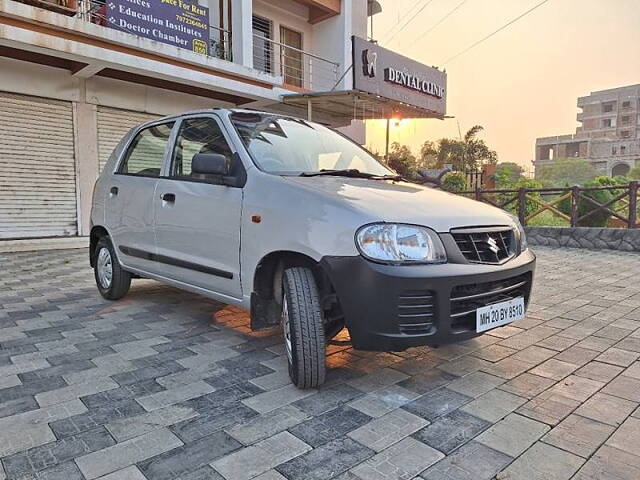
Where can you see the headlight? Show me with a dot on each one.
(522, 236)
(399, 243)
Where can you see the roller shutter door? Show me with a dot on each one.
(113, 124)
(37, 168)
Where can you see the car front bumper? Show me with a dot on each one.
(394, 307)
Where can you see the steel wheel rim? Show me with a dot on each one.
(286, 328)
(105, 268)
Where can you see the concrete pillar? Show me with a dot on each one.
(242, 32)
(85, 124)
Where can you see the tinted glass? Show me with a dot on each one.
(146, 153)
(290, 146)
(197, 135)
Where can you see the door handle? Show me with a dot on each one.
(114, 191)
(169, 197)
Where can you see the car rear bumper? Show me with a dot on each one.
(394, 307)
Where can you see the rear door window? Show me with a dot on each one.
(145, 155)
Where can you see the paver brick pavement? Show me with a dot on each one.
(169, 385)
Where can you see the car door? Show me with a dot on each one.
(131, 193)
(197, 220)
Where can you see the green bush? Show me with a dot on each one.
(455, 182)
(601, 217)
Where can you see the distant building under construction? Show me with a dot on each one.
(609, 137)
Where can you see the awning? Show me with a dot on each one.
(350, 105)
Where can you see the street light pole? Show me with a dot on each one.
(386, 148)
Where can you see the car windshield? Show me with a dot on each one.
(291, 146)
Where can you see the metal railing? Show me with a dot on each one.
(576, 205)
(298, 68)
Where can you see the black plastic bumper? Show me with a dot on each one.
(392, 308)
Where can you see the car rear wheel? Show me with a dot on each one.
(302, 324)
(112, 281)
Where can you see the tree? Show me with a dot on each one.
(566, 171)
(508, 174)
(634, 174)
(454, 182)
(469, 153)
(402, 160)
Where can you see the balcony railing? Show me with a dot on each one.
(298, 68)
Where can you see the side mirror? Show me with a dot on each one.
(210, 164)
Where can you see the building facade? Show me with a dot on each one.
(75, 75)
(609, 135)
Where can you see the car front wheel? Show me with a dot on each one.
(112, 281)
(302, 324)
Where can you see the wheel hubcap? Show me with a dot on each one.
(286, 327)
(105, 268)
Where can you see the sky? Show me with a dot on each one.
(524, 82)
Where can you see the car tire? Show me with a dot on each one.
(112, 281)
(302, 322)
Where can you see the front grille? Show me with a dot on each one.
(466, 299)
(485, 245)
(416, 312)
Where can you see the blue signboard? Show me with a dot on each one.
(176, 22)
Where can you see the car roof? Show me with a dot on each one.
(211, 110)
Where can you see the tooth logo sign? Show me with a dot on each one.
(369, 60)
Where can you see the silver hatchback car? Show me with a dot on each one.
(306, 229)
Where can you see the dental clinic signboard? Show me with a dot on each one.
(176, 22)
(393, 76)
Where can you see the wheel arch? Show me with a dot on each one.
(267, 284)
(97, 232)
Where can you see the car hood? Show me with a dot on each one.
(402, 202)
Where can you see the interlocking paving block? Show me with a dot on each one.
(549, 407)
(436, 403)
(627, 437)
(126, 428)
(527, 385)
(127, 453)
(29, 429)
(451, 431)
(576, 388)
(188, 458)
(330, 425)
(172, 396)
(32, 461)
(384, 431)
(600, 372)
(624, 387)
(263, 426)
(404, 460)
(579, 435)
(513, 435)
(475, 384)
(129, 473)
(216, 419)
(507, 368)
(427, 381)
(472, 461)
(380, 402)
(9, 381)
(96, 385)
(268, 401)
(494, 405)
(610, 463)
(543, 462)
(378, 379)
(20, 405)
(554, 369)
(260, 457)
(327, 461)
(577, 355)
(95, 417)
(327, 398)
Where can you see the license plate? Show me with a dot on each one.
(499, 314)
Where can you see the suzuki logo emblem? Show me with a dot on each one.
(369, 60)
(493, 245)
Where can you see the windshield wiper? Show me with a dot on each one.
(352, 173)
